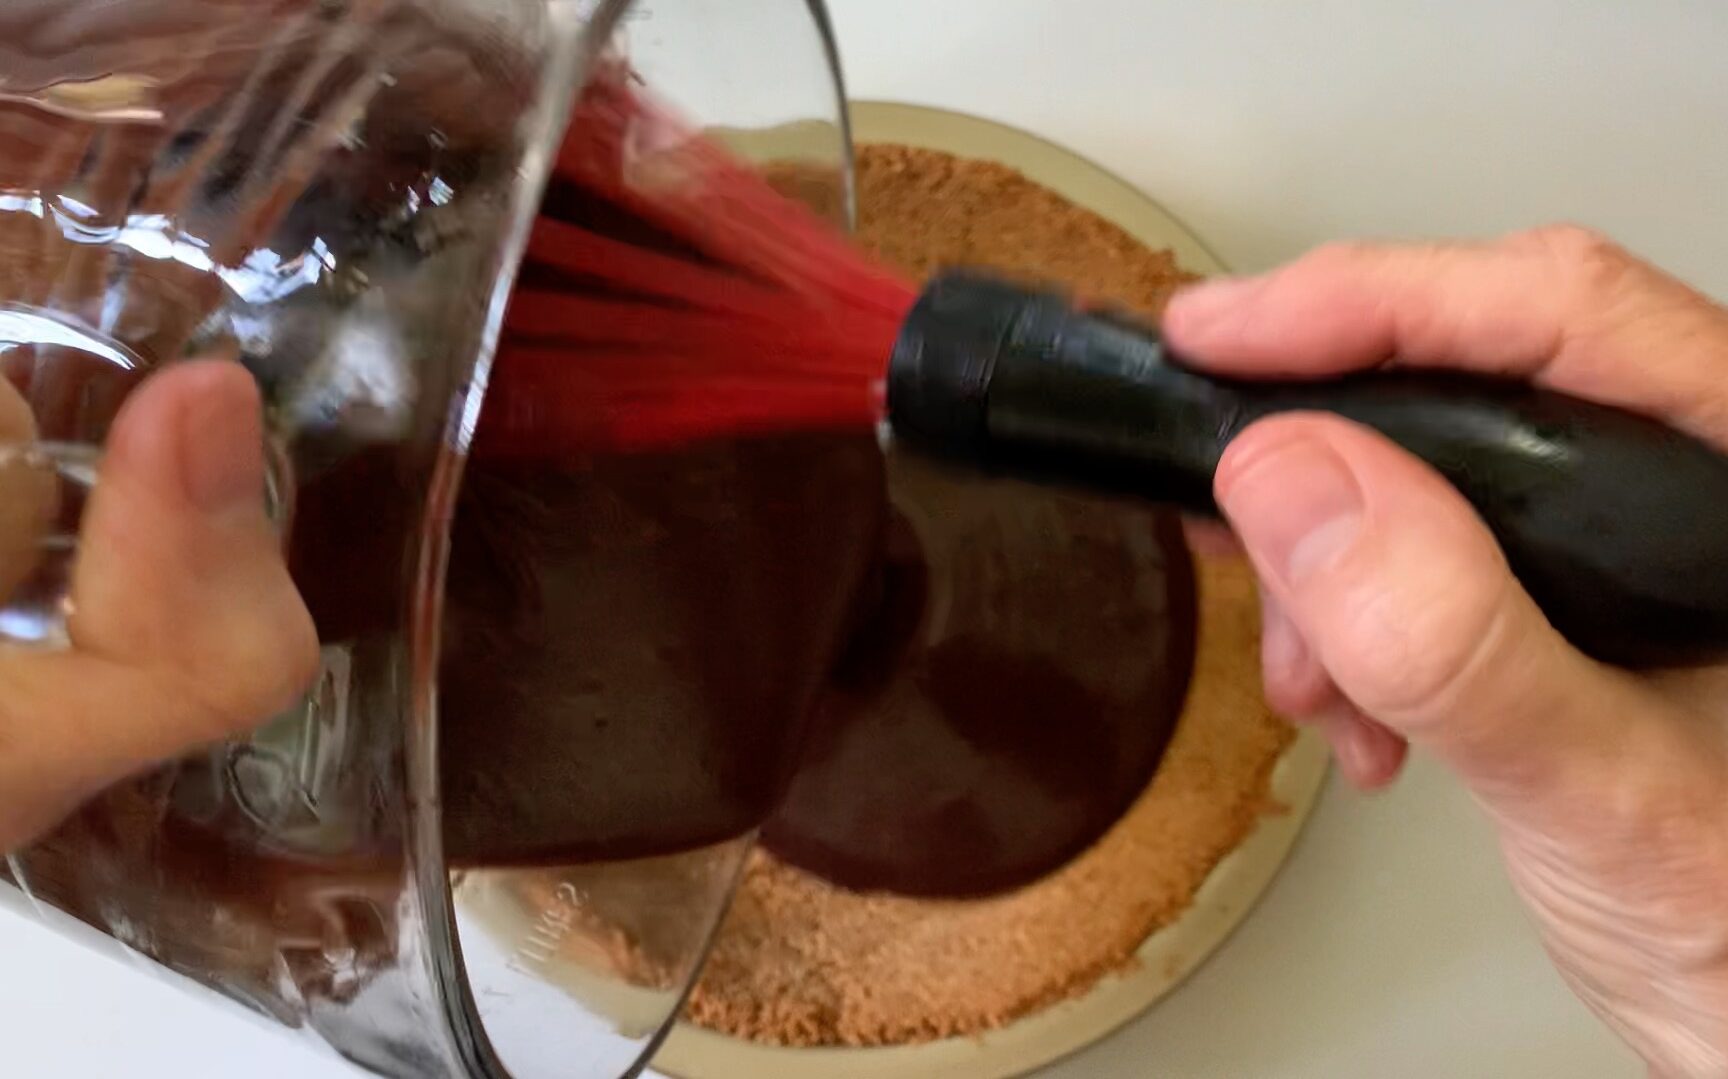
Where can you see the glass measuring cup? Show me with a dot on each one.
(336, 193)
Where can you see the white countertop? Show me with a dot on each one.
(1391, 945)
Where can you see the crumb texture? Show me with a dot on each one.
(924, 211)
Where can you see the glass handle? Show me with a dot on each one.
(44, 489)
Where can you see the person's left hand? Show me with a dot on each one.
(185, 627)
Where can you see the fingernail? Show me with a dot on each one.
(1293, 501)
(1282, 649)
(1342, 727)
(1199, 308)
(1369, 757)
(1385, 759)
(1354, 755)
(221, 444)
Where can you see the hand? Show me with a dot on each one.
(1391, 616)
(186, 627)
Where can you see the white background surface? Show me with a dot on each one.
(1391, 946)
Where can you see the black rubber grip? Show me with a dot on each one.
(1616, 524)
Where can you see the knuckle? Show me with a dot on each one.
(1592, 261)
(301, 663)
(262, 669)
(1411, 652)
(1564, 240)
(209, 714)
(287, 661)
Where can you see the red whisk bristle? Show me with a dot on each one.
(671, 295)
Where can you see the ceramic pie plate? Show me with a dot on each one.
(1229, 893)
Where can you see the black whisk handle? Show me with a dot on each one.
(1616, 524)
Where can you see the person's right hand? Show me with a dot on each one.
(1391, 615)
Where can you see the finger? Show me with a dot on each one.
(1210, 539)
(1295, 683)
(186, 627)
(1560, 305)
(1405, 599)
(1369, 753)
(181, 570)
(1300, 689)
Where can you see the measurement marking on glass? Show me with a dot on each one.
(541, 942)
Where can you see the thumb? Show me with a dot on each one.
(180, 572)
(1402, 595)
(185, 625)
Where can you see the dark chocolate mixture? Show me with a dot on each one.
(1012, 698)
(632, 647)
